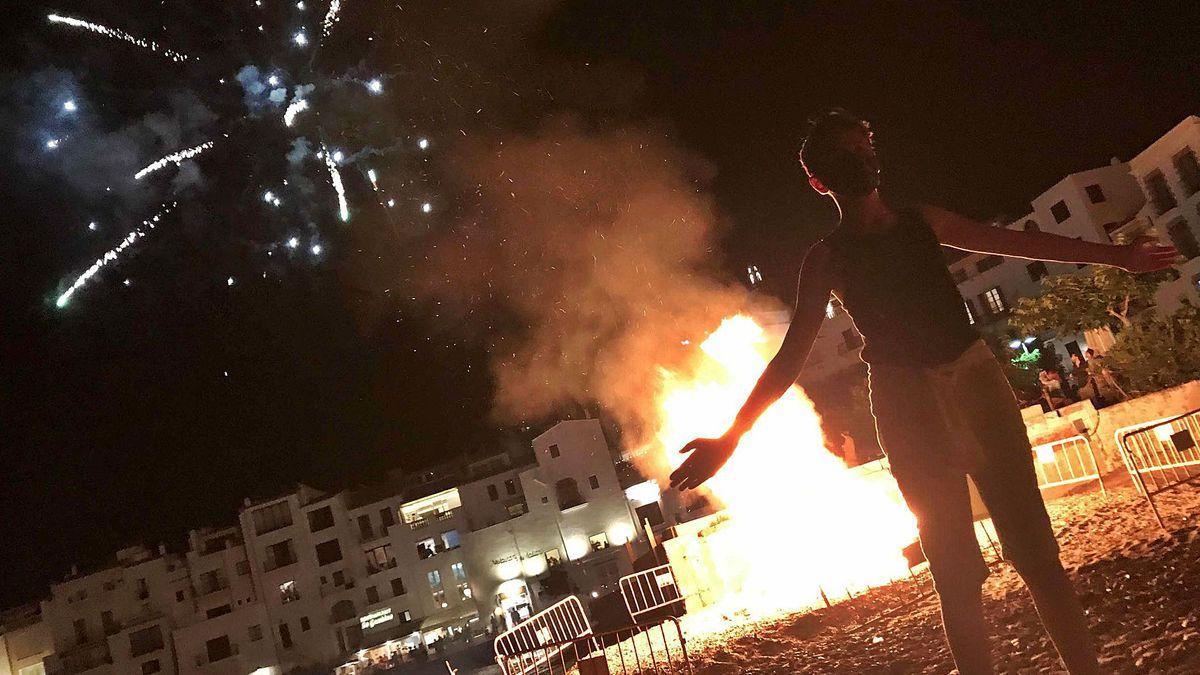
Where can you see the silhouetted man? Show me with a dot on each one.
(943, 408)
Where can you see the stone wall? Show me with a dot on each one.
(1100, 426)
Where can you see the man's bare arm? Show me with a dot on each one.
(963, 233)
(708, 455)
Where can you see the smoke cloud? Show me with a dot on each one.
(600, 246)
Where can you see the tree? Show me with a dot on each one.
(1157, 353)
(1072, 303)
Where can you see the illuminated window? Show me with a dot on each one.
(553, 558)
(450, 540)
(464, 591)
(970, 311)
(993, 301)
(599, 542)
(829, 310)
(460, 572)
(288, 592)
(435, 579)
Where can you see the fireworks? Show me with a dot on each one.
(175, 158)
(336, 177)
(112, 254)
(296, 107)
(375, 86)
(331, 17)
(119, 35)
(70, 106)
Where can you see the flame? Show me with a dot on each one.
(800, 522)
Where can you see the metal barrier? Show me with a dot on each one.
(1066, 462)
(649, 590)
(558, 624)
(641, 649)
(1161, 455)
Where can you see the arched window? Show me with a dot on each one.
(1032, 226)
(568, 494)
(342, 610)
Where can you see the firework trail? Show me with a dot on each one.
(336, 177)
(120, 35)
(112, 254)
(175, 158)
(296, 107)
(331, 17)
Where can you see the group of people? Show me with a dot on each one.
(1089, 379)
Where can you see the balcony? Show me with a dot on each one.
(85, 657)
(375, 568)
(328, 590)
(419, 523)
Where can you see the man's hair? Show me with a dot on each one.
(823, 131)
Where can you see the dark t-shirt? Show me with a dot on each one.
(896, 288)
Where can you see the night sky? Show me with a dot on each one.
(140, 410)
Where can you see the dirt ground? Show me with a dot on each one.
(1139, 585)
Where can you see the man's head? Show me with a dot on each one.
(1091, 353)
(838, 154)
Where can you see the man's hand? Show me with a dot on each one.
(708, 456)
(1144, 254)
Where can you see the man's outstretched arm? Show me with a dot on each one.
(708, 455)
(960, 232)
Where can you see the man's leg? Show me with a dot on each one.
(1008, 484)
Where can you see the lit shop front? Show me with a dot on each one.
(395, 638)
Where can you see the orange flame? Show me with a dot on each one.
(799, 520)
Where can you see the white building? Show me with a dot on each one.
(24, 641)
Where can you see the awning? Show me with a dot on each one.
(448, 617)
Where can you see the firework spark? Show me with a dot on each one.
(331, 17)
(118, 34)
(175, 158)
(296, 107)
(336, 177)
(112, 254)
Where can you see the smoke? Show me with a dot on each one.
(598, 247)
(259, 92)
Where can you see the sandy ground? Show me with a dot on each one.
(1140, 587)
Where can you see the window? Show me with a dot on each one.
(1183, 239)
(151, 666)
(288, 592)
(219, 648)
(271, 517)
(304, 625)
(1189, 171)
(450, 540)
(829, 311)
(970, 311)
(211, 582)
(959, 275)
(398, 587)
(553, 558)
(255, 632)
(460, 572)
(650, 513)
(339, 577)
(143, 591)
(1095, 194)
(435, 579)
(988, 262)
(328, 552)
(372, 595)
(179, 596)
(214, 612)
(279, 555)
(493, 493)
(993, 301)
(518, 509)
(464, 591)
(81, 634)
(1032, 226)
(342, 610)
(110, 626)
(594, 482)
(404, 615)
(568, 494)
(1036, 270)
(850, 339)
(1160, 192)
(510, 487)
(242, 567)
(285, 635)
(321, 519)
(145, 640)
(387, 518)
(426, 548)
(1060, 211)
(553, 449)
(599, 541)
(380, 558)
(365, 531)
